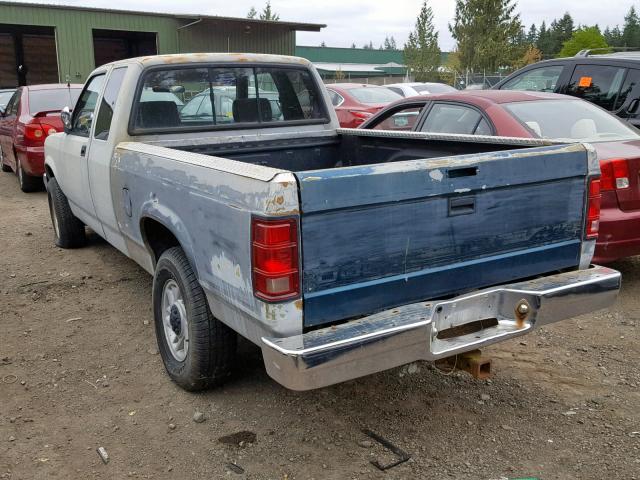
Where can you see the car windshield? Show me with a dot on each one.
(434, 88)
(53, 99)
(5, 97)
(574, 119)
(374, 95)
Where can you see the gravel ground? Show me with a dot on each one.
(79, 369)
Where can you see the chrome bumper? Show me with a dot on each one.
(408, 333)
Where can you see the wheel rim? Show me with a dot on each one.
(20, 173)
(174, 320)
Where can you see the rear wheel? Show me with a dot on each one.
(68, 230)
(3, 166)
(28, 183)
(196, 348)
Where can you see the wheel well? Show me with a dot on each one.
(49, 171)
(158, 237)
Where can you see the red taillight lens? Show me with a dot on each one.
(274, 251)
(360, 116)
(34, 132)
(614, 174)
(593, 209)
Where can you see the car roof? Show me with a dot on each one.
(347, 86)
(485, 98)
(53, 86)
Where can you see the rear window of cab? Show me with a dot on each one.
(208, 98)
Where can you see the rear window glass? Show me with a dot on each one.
(373, 95)
(54, 99)
(4, 98)
(572, 119)
(205, 98)
(434, 88)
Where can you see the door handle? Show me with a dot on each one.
(83, 150)
(462, 206)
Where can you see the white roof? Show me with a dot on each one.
(355, 67)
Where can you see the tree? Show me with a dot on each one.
(532, 36)
(531, 55)
(544, 43)
(561, 31)
(322, 44)
(368, 46)
(252, 13)
(390, 43)
(421, 52)
(487, 33)
(268, 14)
(583, 38)
(353, 45)
(613, 36)
(631, 30)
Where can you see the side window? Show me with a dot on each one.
(631, 82)
(14, 103)
(397, 90)
(403, 120)
(543, 79)
(85, 106)
(598, 84)
(483, 128)
(108, 103)
(447, 118)
(336, 99)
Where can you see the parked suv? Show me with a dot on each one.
(611, 81)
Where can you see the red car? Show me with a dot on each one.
(356, 102)
(31, 115)
(542, 115)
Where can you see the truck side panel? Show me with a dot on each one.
(207, 203)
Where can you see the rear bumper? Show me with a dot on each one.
(410, 333)
(32, 160)
(619, 235)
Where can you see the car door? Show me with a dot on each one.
(99, 158)
(599, 84)
(627, 105)
(72, 171)
(7, 128)
(549, 77)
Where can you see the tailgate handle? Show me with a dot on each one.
(462, 206)
(462, 172)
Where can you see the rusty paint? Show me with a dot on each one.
(279, 199)
(298, 304)
(521, 317)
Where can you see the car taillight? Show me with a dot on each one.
(593, 209)
(274, 252)
(360, 116)
(37, 132)
(614, 174)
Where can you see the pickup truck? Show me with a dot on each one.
(339, 252)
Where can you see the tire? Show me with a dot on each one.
(68, 230)
(3, 166)
(197, 349)
(28, 183)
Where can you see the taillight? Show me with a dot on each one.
(360, 116)
(614, 174)
(37, 132)
(593, 209)
(274, 251)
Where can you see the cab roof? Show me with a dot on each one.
(186, 58)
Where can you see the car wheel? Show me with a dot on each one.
(3, 166)
(196, 348)
(68, 230)
(28, 183)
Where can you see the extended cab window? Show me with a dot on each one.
(599, 84)
(108, 103)
(205, 98)
(83, 112)
(543, 79)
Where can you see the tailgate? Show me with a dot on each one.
(379, 236)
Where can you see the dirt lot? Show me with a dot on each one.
(79, 369)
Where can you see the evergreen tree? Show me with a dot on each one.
(487, 32)
(613, 36)
(532, 35)
(421, 52)
(353, 45)
(322, 44)
(544, 43)
(390, 43)
(561, 31)
(268, 14)
(252, 13)
(631, 31)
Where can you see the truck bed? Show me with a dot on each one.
(388, 220)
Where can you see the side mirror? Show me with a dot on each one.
(633, 106)
(65, 115)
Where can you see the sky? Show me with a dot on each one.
(361, 21)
